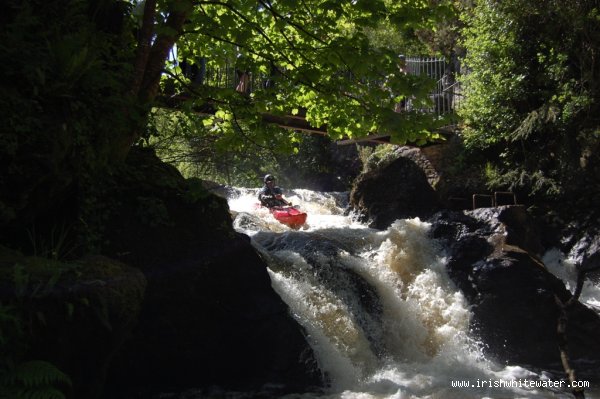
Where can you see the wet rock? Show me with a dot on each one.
(398, 190)
(493, 257)
(216, 188)
(247, 221)
(521, 230)
(322, 254)
(586, 252)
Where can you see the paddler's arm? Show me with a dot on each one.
(280, 198)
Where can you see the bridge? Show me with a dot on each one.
(446, 96)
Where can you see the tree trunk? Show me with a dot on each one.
(145, 35)
(149, 64)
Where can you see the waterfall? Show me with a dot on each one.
(379, 310)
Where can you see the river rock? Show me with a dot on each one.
(493, 258)
(76, 315)
(397, 190)
(210, 316)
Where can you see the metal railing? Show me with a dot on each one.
(447, 94)
(499, 198)
(445, 98)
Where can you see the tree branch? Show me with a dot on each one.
(292, 23)
(144, 44)
(160, 49)
(561, 332)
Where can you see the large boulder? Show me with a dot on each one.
(494, 258)
(402, 188)
(210, 316)
(75, 315)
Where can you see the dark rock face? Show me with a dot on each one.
(396, 191)
(79, 319)
(493, 259)
(210, 316)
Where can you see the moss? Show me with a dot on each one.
(122, 287)
(74, 314)
(17, 269)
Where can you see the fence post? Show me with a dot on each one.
(499, 195)
(489, 200)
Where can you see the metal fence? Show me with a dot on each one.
(445, 97)
(223, 76)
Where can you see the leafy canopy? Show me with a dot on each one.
(319, 54)
(532, 92)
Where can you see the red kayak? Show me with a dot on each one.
(289, 216)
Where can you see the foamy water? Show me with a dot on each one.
(380, 312)
(564, 268)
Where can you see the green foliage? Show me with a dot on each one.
(36, 379)
(530, 90)
(228, 150)
(325, 59)
(95, 209)
(18, 378)
(495, 77)
(31, 280)
(393, 37)
(70, 103)
(60, 71)
(65, 67)
(329, 58)
(376, 157)
(57, 245)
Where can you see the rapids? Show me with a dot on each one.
(379, 310)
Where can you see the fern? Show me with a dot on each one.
(41, 393)
(537, 121)
(35, 379)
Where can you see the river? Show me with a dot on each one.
(379, 310)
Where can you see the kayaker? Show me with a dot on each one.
(271, 195)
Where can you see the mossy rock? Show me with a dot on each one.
(74, 315)
(210, 315)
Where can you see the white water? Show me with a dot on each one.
(564, 268)
(382, 316)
